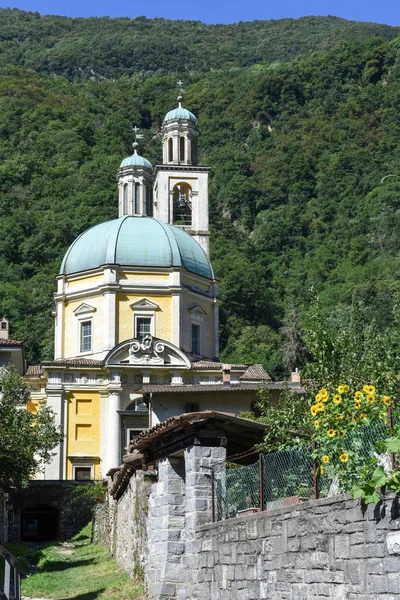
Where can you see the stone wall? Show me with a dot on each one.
(123, 525)
(330, 548)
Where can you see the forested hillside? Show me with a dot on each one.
(299, 120)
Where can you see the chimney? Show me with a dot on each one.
(4, 328)
(226, 374)
(295, 377)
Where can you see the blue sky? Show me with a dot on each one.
(222, 11)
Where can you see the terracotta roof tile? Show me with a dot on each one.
(209, 364)
(34, 370)
(4, 342)
(73, 362)
(255, 373)
(205, 388)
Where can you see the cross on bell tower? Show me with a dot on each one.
(135, 182)
(181, 185)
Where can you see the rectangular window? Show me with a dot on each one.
(86, 336)
(143, 326)
(83, 473)
(195, 339)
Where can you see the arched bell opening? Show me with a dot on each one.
(182, 204)
(170, 150)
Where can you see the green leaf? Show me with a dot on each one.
(358, 491)
(372, 498)
(379, 477)
(393, 444)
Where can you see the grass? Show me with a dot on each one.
(78, 570)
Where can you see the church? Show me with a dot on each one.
(136, 316)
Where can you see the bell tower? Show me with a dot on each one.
(135, 184)
(181, 186)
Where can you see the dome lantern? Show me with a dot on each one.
(135, 180)
(179, 131)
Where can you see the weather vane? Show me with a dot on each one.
(181, 91)
(138, 136)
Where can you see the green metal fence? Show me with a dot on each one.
(290, 476)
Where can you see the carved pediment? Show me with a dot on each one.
(144, 304)
(197, 310)
(83, 309)
(147, 351)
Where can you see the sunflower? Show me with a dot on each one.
(331, 433)
(358, 395)
(369, 389)
(340, 389)
(344, 457)
(318, 397)
(339, 416)
(357, 404)
(370, 398)
(313, 410)
(323, 392)
(337, 399)
(316, 424)
(346, 388)
(386, 400)
(363, 417)
(325, 459)
(340, 434)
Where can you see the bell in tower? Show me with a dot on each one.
(181, 186)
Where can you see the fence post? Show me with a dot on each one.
(261, 462)
(315, 474)
(391, 425)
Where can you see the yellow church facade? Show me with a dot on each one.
(136, 316)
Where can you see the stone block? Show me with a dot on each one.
(394, 583)
(342, 546)
(393, 542)
(391, 564)
(353, 527)
(357, 538)
(378, 584)
(319, 560)
(338, 592)
(314, 576)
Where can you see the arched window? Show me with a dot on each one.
(182, 148)
(193, 152)
(125, 200)
(137, 199)
(170, 151)
(149, 201)
(182, 198)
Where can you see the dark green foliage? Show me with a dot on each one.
(300, 143)
(26, 439)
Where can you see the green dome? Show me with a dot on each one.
(180, 113)
(136, 242)
(136, 161)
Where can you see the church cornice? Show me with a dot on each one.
(180, 168)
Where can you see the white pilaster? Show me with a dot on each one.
(109, 320)
(55, 469)
(58, 330)
(176, 320)
(216, 328)
(113, 458)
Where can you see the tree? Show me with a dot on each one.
(26, 438)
